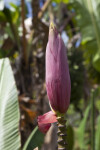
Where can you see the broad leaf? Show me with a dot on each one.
(35, 140)
(9, 110)
(88, 20)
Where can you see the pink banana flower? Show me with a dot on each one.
(57, 79)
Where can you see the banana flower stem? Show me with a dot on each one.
(62, 133)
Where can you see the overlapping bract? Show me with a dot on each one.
(57, 79)
(57, 73)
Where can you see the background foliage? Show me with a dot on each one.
(24, 29)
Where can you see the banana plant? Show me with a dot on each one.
(10, 114)
(88, 20)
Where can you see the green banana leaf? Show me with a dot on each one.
(88, 20)
(9, 109)
(35, 140)
(81, 129)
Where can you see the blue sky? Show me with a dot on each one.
(17, 2)
(28, 3)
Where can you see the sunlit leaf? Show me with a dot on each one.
(9, 110)
(1, 5)
(59, 1)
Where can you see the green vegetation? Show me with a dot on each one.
(23, 42)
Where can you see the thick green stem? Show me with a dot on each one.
(62, 133)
